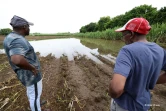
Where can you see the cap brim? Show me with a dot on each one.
(30, 23)
(120, 29)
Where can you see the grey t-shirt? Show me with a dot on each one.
(15, 44)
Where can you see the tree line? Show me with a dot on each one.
(5, 31)
(153, 15)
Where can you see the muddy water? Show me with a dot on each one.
(104, 46)
(1, 46)
(72, 47)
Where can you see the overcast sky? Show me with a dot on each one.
(53, 16)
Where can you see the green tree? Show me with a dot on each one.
(160, 16)
(83, 29)
(117, 21)
(103, 23)
(92, 27)
(146, 11)
(5, 31)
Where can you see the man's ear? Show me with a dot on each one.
(24, 26)
(132, 34)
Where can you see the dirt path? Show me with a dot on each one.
(79, 85)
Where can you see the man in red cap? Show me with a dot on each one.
(137, 68)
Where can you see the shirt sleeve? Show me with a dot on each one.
(123, 63)
(164, 61)
(18, 47)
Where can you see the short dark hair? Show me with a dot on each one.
(138, 34)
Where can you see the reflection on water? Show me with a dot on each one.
(104, 46)
(2, 51)
(77, 47)
(69, 47)
(1, 45)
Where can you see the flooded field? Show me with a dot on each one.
(76, 73)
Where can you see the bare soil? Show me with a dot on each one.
(80, 85)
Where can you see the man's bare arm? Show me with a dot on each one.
(21, 62)
(162, 78)
(116, 87)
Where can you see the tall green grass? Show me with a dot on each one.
(108, 34)
(157, 34)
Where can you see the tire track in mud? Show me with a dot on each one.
(56, 86)
(96, 84)
(64, 93)
(50, 67)
(77, 83)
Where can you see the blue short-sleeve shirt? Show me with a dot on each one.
(15, 44)
(141, 64)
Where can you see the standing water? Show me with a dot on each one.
(72, 47)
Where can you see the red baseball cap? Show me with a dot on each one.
(140, 25)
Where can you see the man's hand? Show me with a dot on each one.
(35, 71)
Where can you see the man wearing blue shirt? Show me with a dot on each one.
(24, 61)
(137, 68)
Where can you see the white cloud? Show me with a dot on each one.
(52, 16)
